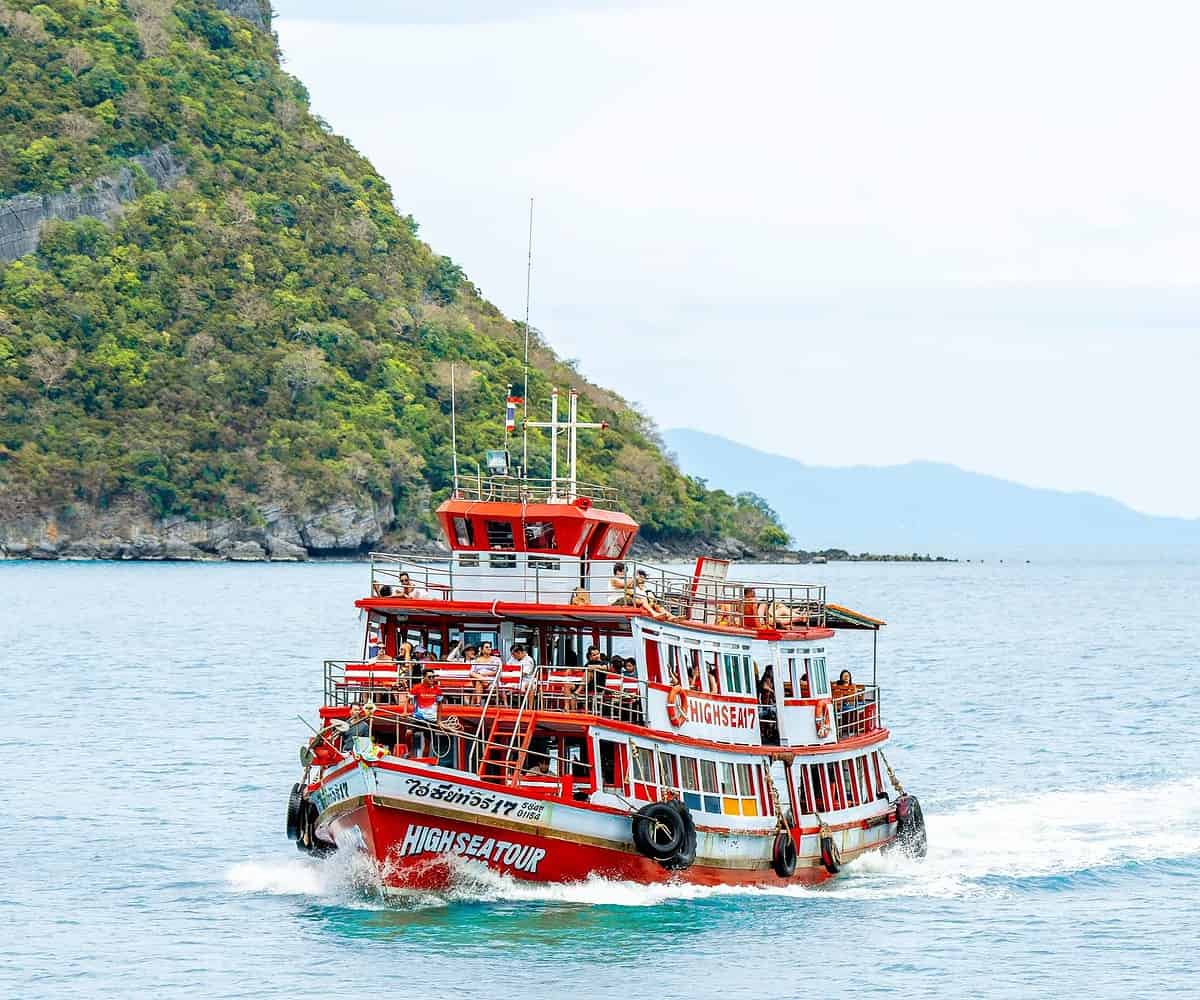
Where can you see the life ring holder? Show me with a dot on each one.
(821, 719)
(677, 703)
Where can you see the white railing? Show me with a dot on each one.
(549, 578)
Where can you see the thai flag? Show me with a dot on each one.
(510, 412)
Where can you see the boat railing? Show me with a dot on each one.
(544, 578)
(559, 689)
(856, 712)
(513, 489)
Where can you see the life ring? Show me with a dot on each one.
(831, 856)
(659, 831)
(783, 855)
(821, 719)
(677, 703)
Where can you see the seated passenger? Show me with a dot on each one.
(409, 591)
(426, 697)
(577, 694)
(456, 652)
(357, 725)
(844, 687)
(539, 766)
(485, 669)
(579, 597)
(619, 585)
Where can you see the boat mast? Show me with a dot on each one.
(525, 394)
(453, 428)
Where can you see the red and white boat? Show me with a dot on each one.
(727, 753)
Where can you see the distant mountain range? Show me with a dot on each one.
(919, 506)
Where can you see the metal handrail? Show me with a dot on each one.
(667, 593)
(858, 712)
(513, 489)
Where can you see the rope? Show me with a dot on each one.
(780, 825)
(891, 774)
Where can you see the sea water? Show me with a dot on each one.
(1045, 712)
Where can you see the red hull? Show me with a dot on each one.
(414, 850)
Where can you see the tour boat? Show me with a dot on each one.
(724, 750)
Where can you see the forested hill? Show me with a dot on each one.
(237, 345)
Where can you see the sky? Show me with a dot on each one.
(857, 233)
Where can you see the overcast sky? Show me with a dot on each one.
(849, 233)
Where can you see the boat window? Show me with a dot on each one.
(611, 543)
(708, 783)
(499, 534)
(804, 790)
(502, 560)
(464, 532)
(668, 771)
(746, 675)
(836, 793)
(711, 667)
(653, 667)
(689, 777)
(848, 783)
(609, 774)
(864, 780)
(879, 786)
(695, 679)
(468, 560)
(817, 776)
(540, 535)
(544, 562)
(673, 674)
(818, 682)
(733, 680)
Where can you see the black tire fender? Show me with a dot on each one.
(783, 855)
(659, 831)
(910, 827)
(831, 856)
(295, 812)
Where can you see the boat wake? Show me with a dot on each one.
(995, 846)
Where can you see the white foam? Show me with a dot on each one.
(975, 850)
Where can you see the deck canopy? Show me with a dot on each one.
(843, 618)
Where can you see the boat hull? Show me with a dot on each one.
(425, 828)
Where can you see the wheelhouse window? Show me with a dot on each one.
(502, 560)
(540, 535)
(464, 532)
(818, 681)
(545, 562)
(668, 771)
(866, 793)
(612, 543)
(499, 534)
(737, 674)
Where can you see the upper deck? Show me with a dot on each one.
(528, 583)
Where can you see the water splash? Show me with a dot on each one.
(987, 848)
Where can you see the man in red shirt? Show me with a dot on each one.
(426, 697)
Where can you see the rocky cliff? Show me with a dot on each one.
(23, 216)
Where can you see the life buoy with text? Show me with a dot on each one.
(677, 703)
(821, 718)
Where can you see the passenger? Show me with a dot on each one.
(845, 686)
(576, 694)
(357, 725)
(484, 670)
(804, 686)
(539, 766)
(519, 658)
(426, 697)
(579, 598)
(409, 591)
(619, 585)
(766, 693)
(456, 652)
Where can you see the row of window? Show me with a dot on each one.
(701, 670)
(721, 787)
(507, 560)
(840, 784)
(740, 789)
(539, 535)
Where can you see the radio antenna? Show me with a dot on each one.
(454, 428)
(525, 394)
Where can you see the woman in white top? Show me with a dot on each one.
(485, 668)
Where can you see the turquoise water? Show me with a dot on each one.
(1046, 713)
